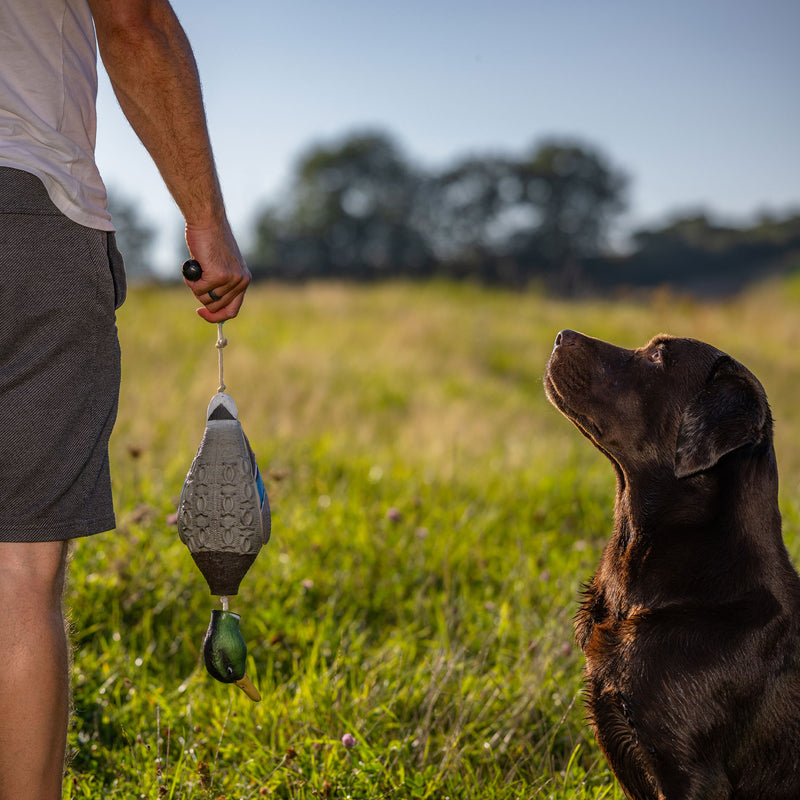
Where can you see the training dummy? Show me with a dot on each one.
(224, 520)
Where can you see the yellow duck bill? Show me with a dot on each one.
(246, 685)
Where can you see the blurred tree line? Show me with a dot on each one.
(357, 208)
(694, 252)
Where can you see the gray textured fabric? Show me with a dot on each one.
(60, 283)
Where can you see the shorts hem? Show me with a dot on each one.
(55, 533)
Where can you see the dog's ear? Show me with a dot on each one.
(729, 412)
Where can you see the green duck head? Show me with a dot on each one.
(225, 652)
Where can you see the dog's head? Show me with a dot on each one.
(676, 403)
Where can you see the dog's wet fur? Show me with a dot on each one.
(691, 625)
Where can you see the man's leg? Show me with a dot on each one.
(34, 670)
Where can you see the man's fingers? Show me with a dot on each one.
(221, 302)
(221, 295)
(227, 311)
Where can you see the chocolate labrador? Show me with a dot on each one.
(691, 625)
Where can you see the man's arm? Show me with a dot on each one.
(152, 69)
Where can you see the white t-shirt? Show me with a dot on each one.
(48, 89)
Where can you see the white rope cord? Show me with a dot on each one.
(221, 342)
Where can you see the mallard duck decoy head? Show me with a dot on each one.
(225, 652)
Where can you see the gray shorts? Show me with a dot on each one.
(60, 284)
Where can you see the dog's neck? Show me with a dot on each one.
(671, 535)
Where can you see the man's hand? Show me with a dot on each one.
(224, 271)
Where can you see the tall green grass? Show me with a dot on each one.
(433, 521)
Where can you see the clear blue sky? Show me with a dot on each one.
(697, 100)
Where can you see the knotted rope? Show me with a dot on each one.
(221, 342)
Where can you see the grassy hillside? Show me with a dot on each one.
(433, 521)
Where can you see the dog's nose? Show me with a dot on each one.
(565, 337)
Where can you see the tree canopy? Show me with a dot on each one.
(348, 214)
(358, 208)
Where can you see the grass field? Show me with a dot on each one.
(433, 521)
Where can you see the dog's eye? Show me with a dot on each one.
(657, 356)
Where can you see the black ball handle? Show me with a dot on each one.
(192, 270)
